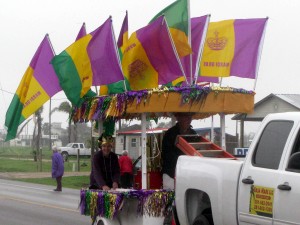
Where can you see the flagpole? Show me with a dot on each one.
(190, 42)
(259, 53)
(50, 144)
(200, 51)
(174, 48)
(116, 48)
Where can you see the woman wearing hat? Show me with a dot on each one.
(105, 170)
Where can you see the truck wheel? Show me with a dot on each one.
(201, 220)
(100, 222)
(65, 156)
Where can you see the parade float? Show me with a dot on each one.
(145, 206)
(150, 71)
(148, 206)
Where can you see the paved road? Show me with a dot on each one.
(13, 175)
(27, 204)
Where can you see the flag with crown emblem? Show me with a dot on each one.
(199, 27)
(232, 48)
(149, 59)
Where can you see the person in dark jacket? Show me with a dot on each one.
(170, 152)
(57, 168)
(105, 167)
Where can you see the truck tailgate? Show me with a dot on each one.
(218, 178)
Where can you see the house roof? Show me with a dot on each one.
(137, 129)
(291, 101)
(130, 128)
(206, 129)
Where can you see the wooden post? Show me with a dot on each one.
(78, 160)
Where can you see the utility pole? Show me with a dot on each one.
(39, 148)
(50, 143)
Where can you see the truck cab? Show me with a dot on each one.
(269, 187)
(263, 189)
(71, 149)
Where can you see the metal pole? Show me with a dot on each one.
(212, 133)
(144, 151)
(223, 134)
(39, 121)
(93, 147)
(50, 144)
(242, 134)
(78, 161)
(41, 160)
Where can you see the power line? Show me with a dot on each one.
(3, 94)
(5, 90)
(55, 99)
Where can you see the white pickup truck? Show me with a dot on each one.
(262, 189)
(72, 148)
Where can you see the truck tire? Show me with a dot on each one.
(100, 222)
(65, 156)
(201, 220)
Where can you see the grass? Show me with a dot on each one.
(76, 182)
(25, 165)
(23, 152)
(20, 159)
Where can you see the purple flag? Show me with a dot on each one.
(103, 55)
(248, 36)
(150, 59)
(82, 32)
(123, 37)
(38, 85)
(43, 71)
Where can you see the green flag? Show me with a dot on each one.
(177, 17)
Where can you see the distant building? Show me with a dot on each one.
(272, 103)
(231, 140)
(25, 140)
(57, 129)
(129, 138)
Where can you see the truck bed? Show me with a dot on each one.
(217, 176)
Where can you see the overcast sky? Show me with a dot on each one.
(25, 23)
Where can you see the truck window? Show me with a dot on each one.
(271, 144)
(75, 146)
(294, 159)
(81, 145)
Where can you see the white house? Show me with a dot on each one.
(129, 139)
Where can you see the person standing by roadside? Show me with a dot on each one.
(125, 163)
(57, 168)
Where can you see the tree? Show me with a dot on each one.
(22, 127)
(37, 118)
(66, 108)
